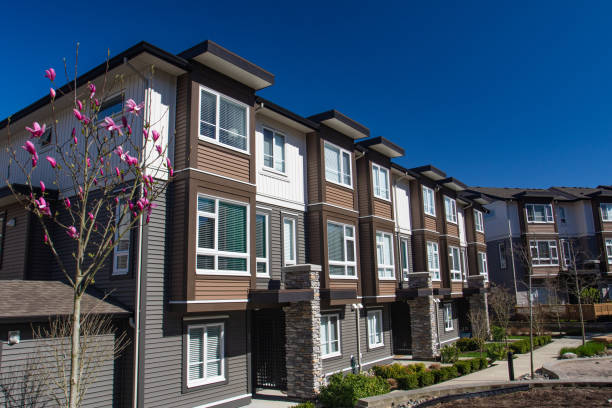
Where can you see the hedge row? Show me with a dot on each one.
(523, 346)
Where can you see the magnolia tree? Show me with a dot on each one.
(112, 169)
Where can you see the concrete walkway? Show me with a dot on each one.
(499, 371)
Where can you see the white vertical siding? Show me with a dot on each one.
(402, 206)
(496, 221)
(289, 189)
(461, 223)
(578, 219)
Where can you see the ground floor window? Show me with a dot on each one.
(384, 254)
(544, 252)
(375, 329)
(483, 268)
(448, 317)
(330, 335)
(205, 354)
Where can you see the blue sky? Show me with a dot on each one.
(504, 93)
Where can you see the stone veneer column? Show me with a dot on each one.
(479, 300)
(423, 319)
(303, 333)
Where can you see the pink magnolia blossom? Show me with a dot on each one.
(77, 114)
(36, 130)
(155, 135)
(29, 147)
(132, 107)
(97, 102)
(92, 90)
(102, 160)
(88, 162)
(42, 186)
(91, 216)
(130, 160)
(116, 200)
(101, 171)
(74, 138)
(72, 232)
(110, 125)
(124, 121)
(50, 73)
(95, 182)
(43, 206)
(145, 133)
(52, 161)
(129, 129)
(45, 239)
(67, 202)
(169, 164)
(52, 93)
(159, 149)
(117, 171)
(79, 105)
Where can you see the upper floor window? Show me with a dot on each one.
(384, 253)
(289, 239)
(261, 244)
(450, 208)
(223, 120)
(454, 260)
(544, 252)
(46, 138)
(405, 258)
(561, 214)
(330, 336)
(483, 268)
(448, 316)
(609, 250)
(375, 329)
(112, 106)
(380, 176)
(429, 204)
(274, 150)
(478, 221)
(502, 255)
(539, 213)
(464, 263)
(337, 165)
(606, 212)
(205, 354)
(221, 237)
(121, 261)
(341, 250)
(433, 260)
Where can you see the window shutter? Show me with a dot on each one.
(196, 354)
(232, 124)
(268, 148)
(213, 351)
(208, 114)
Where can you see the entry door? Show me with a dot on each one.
(402, 335)
(268, 353)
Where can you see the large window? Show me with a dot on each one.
(448, 316)
(450, 208)
(539, 213)
(478, 221)
(111, 107)
(429, 205)
(609, 250)
(205, 354)
(261, 245)
(454, 260)
(566, 248)
(502, 255)
(544, 252)
(375, 329)
(380, 176)
(433, 260)
(405, 255)
(483, 268)
(606, 212)
(223, 120)
(330, 336)
(121, 261)
(289, 246)
(384, 253)
(341, 250)
(222, 246)
(274, 150)
(337, 165)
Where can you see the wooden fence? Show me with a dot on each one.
(590, 312)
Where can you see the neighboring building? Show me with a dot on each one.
(286, 249)
(558, 227)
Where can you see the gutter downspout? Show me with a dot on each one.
(436, 302)
(139, 281)
(357, 307)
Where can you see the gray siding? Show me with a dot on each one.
(447, 336)
(162, 345)
(14, 251)
(505, 276)
(348, 340)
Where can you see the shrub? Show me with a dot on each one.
(496, 351)
(498, 333)
(393, 384)
(449, 354)
(391, 370)
(520, 347)
(417, 368)
(439, 375)
(344, 391)
(435, 366)
(475, 364)
(307, 404)
(463, 367)
(484, 363)
(467, 344)
(589, 349)
(426, 378)
(408, 382)
(451, 372)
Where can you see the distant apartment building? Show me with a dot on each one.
(556, 228)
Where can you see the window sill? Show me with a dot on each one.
(375, 346)
(389, 278)
(207, 139)
(540, 222)
(222, 273)
(451, 222)
(345, 277)
(388, 200)
(431, 215)
(448, 330)
(262, 275)
(191, 384)
(544, 265)
(340, 184)
(332, 355)
(274, 174)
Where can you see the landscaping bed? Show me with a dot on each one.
(589, 349)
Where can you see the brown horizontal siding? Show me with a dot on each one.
(343, 284)
(436, 284)
(456, 287)
(224, 162)
(430, 223)
(452, 229)
(314, 178)
(383, 209)
(216, 289)
(339, 196)
(545, 270)
(178, 240)
(386, 288)
(606, 226)
(480, 237)
(541, 228)
(181, 149)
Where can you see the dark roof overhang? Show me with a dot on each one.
(342, 124)
(535, 194)
(430, 171)
(477, 196)
(383, 146)
(453, 184)
(283, 115)
(230, 64)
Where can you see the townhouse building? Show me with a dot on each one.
(286, 248)
(554, 229)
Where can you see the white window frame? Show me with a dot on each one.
(383, 266)
(404, 253)
(328, 316)
(450, 208)
(566, 252)
(217, 117)
(534, 244)
(204, 380)
(501, 249)
(293, 261)
(548, 214)
(265, 260)
(275, 134)
(606, 216)
(434, 248)
(346, 242)
(448, 317)
(117, 253)
(453, 252)
(478, 221)
(215, 252)
(609, 250)
(350, 172)
(378, 315)
(429, 193)
(377, 174)
(464, 263)
(483, 267)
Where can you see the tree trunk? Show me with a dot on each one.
(75, 353)
(530, 325)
